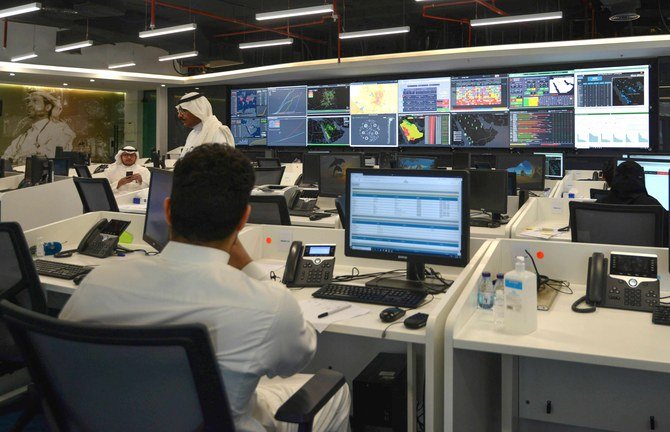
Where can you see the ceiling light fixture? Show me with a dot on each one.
(168, 30)
(65, 84)
(267, 43)
(121, 65)
(516, 19)
(24, 57)
(17, 10)
(376, 32)
(313, 10)
(12, 74)
(75, 45)
(92, 80)
(178, 56)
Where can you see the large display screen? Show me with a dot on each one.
(606, 107)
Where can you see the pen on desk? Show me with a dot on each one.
(337, 309)
(565, 228)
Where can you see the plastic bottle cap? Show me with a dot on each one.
(486, 274)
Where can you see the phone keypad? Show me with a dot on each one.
(314, 274)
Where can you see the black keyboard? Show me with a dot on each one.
(60, 270)
(376, 295)
(661, 314)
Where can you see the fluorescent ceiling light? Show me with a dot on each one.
(516, 19)
(30, 7)
(24, 57)
(178, 56)
(121, 65)
(313, 10)
(267, 43)
(376, 32)
(168, 30)
(72, 46)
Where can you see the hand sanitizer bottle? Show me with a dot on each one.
(520, 299)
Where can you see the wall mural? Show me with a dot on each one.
(36, 120)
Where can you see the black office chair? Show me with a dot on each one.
(138, 378)
(269, 210)
(82, 171)
(633, 225)
(19, 284)
(96, 194)
(268, 162)
(268, 176)
(597, 194)
(340, 205)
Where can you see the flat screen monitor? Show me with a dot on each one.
(656, 179)
(39, 170)
(333, 172)
(511, 183)
(268, 162)
(461, 160)
(406, 215)
(61, 166)
(249, 131)
(553, 168)
(529, 169)
(416, 162)
(249, 103)
(311, 168)
(75, 157)
(82, 171)
(488, 192)
(650, 156)
(156, 231)
(482, 160)
(266, 176)
(584, 162)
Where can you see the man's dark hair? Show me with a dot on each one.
(210, 192)
(608, 171)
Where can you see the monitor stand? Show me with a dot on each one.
(415, 279)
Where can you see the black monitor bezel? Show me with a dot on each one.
(461, 261)
(154, 243)
(280, 169)
(521, 186)
(546, 172)
(329, 194)
(502, 209)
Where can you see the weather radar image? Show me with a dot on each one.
(330, 99)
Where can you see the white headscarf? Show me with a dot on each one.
(128, 150)
(213, 131)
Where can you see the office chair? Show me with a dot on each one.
(82, 171)
(19, 284)
(268, 162)
(268, 176)
(138, 378)
(341, 207)
(269, 210)
(598, 193)
(96, 194)
(633, 225)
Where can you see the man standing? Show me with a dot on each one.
(126, 175)
(41, 131)
(195, 112)
(205, 275)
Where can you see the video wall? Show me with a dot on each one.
(606, 107)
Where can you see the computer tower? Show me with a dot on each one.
(380, 395)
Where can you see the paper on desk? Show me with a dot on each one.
(312, 308)
(544, 233)
(274, 267)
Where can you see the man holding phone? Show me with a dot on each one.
(126, 174)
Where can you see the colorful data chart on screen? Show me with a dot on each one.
(542, 90)
(328, 99)
(287, 131)
(374, 131)
(480, 129)
(249, 102)
(612, 131)
(542, 128)
(479, 93)
(423, 129)
(374, 98)
(287, 101)
(249, 130)
(328, 131)
(426, 95)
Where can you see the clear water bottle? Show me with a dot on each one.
(39, 247)
(486, 293)
(499, 300)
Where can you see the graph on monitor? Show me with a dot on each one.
(287, 131)
(542, 90)
(423, 130)
(287, 101)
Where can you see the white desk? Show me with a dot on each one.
(11, 180)
(581, 188)
(546, 214)
(268, 245)
(608, 370)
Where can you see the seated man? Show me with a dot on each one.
(628, 186)
(205, 275)
(126, 175)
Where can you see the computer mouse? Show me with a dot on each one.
(318, 216)
(391, 314)
(77, 279)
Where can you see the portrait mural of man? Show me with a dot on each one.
(36, 120)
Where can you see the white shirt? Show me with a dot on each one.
(42, 137)
(257, 327)
(117, 171)
(214, 134)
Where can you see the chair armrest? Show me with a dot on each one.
(311, 397)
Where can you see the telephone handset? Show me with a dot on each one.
(631, 282)
(309, 265)
(102, 239)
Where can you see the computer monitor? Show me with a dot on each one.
(461, 160)
(311, 168)
(156, 231)
(61, 166)
(656, 179)
(529, 169)
(416, 162)
(75, 157)
(408, 215)
(482, 160)
(266, 176)
(488, 192)
(585, 162)
(649, 156)
(269, 210)
(268, 162)
(82, 171)
(333, 172)
(39, 170)
(511, 183)
(553, 168)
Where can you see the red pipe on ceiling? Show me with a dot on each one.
(235, 21)
(152, 25)
(4, 39)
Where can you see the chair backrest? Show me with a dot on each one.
(633, 225)
(122, 378)
(19, 282)
(96, 194)
(268, 175)
(82, 171)
(598, 193)
(340, 205)
(268, 162)
(269, 210)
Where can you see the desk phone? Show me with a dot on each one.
(309, 265)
